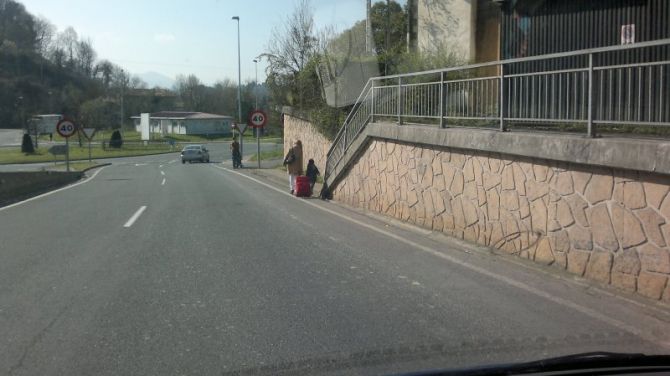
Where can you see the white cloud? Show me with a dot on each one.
(164, 38)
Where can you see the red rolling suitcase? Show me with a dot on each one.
(302, 186)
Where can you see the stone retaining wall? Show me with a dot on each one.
(608, 225)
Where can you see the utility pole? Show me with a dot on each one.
(239, 85)
(258, 130)
(123, 84)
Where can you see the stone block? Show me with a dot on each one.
(633, 196)
(481, 196)
(665, 209)
(519, 179)
(577, 261)
(623, 281)
(468, 170)
(478, 171)
(437, 164)
(652, 222)
(469, 212)
(493, 205)
(553, 225)
(491, 180)
(599, 267)
(560, 241)
(509, 200)
(438, 224)
(577, 208)
(627, 261)
(599, 189)
(655, 193)
(666, 294)
(535, 190)
(457, 159)
(564, 214)
(470, 190)
(448, 221)
(457, 183)
(601, 227)
(540, 172)
(412, 197)
(543, 254)
(495, 163)
(470, 234)
(459, 216)
(524, 207)
(497, 237)
(627, 227)
(538, 215)
(651, 285)
(563, 183)
(507, 179)
(438, 201)
(654, 259)
(580, 179)
(438, 182)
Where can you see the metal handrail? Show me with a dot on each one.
(555, 96)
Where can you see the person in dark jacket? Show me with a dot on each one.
(312, 172)
(235, 150)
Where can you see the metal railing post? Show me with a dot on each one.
(590, 130)
(501, 100)
(372, 110)
(400, 101)
(441, 99)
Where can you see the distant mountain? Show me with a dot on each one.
(154, 79)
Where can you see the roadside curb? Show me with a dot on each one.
(96, 166)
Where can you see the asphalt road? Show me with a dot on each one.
(159, 268)
(10, 137)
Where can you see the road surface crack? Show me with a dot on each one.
(34, 341)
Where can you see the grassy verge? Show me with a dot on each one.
(270, 154)
(74, 166)
(14, 155)
(130, 135)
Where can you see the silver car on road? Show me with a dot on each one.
(192, 153)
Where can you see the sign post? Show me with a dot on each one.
(257, 120)
(89, 133)
(66, 128)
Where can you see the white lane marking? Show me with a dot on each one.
(160, 166)
(163, 183)
(135, 216)
(162, 173)
(173, 161)
(140, 164)
(520, 285)
(54, 191)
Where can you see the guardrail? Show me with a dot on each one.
(618, 85)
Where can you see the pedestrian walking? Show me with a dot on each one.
(312, 172)
(293, 163)
(235, 150)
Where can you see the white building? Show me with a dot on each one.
(180, 122)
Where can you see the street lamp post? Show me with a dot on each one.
(258, 130)
(239, 84)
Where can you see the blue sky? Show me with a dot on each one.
(196, 36)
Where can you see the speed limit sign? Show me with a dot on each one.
(257, 119)
(66, 128)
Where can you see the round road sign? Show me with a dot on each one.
(66, 128)
(257, 119)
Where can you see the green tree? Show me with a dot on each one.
(99, 113)
(389, 30)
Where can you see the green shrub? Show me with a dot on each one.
(116, 141)
(27, 144)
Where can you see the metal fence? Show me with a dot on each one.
(587, 96)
